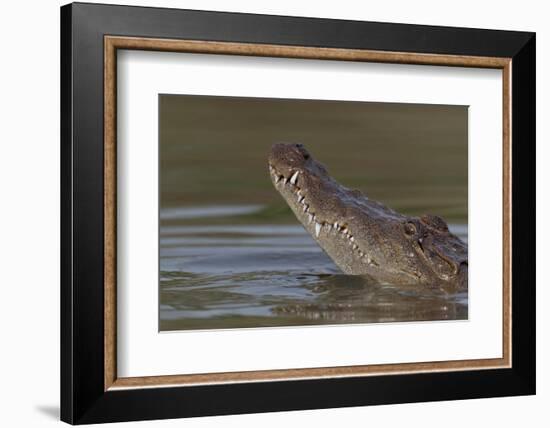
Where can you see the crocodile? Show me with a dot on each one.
(363, 236)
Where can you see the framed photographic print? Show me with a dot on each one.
(264, 213)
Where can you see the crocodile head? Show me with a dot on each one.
(362, 236)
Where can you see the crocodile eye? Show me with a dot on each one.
(410, 228)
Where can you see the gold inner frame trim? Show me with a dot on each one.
(113, 43)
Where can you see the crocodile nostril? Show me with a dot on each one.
(306, 156)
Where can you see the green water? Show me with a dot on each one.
(231, 252)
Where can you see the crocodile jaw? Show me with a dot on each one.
(334, 235)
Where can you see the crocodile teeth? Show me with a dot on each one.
(305, 208)
(310, 218)
(284, 180)
(278, 179)
(317, 229)
(294, 178)
(354, 247)
(352, 239)
(336, 226)
(301, 198)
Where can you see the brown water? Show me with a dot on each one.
(233, 255)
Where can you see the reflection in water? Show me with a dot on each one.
(276, 275)
(183, 213)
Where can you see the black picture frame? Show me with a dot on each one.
(83, 397)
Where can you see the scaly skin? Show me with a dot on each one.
(362, 236)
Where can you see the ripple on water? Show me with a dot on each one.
(235, 276)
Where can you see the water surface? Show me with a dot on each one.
(246, 275)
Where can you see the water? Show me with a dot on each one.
(260, 275)
(232, 252)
